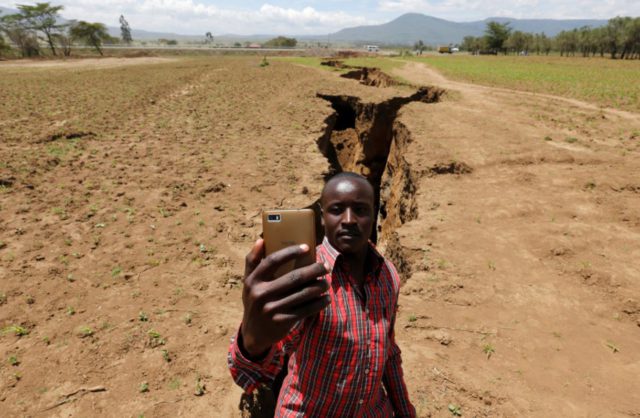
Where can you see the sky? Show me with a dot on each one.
(295, 17)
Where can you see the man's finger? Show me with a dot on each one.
(303, 311)
(298, 278)
(301, 297)
(272, 262)
(254, 257)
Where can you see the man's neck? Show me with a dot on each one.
(356, 264)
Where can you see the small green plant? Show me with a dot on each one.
(155, 339)
(3, 298)
(85, 331)
(144, 387)
(571, 140)
(491, 265)
(614, 348)
(116, 271)
(62, 214)
(199, 387)
(71, 310)
(17, 330)
(143, 317)
(590, 185)
(548, 138)
(166, 356)
(488, 350)
(187, 318)
(13, 360)
(455, 410)
(413, 318)
(264, 62)
(175, 384)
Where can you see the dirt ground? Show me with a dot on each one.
(130, 195)
(108, 62)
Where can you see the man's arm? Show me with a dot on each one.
(250, 372)
(274, 308)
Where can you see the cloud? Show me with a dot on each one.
(193, 17)
(464, 10)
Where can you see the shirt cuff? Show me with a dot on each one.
(247, 373)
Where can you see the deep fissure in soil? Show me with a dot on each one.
(367, 138)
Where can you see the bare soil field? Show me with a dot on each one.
(129, 196)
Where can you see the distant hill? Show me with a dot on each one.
(412, 27)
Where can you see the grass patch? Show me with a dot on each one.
(614, 83)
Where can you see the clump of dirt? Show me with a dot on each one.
(366, 138)
(453, 167)
(69, 135)
(335, 64)
(7, 182)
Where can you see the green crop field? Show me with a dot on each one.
(606, 82)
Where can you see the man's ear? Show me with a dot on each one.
(321, 214)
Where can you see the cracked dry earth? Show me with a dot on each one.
(130, 195)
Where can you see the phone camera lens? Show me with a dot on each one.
(273, 218)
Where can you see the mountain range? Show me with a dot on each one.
(412, 27)
(404, 30)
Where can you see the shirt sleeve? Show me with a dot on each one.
(249, 374)
(393, 378)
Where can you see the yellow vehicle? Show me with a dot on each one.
(444, 49)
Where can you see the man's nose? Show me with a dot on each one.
(348, 217)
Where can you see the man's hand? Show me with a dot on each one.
(273, 305)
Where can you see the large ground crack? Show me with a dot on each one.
(368, 139)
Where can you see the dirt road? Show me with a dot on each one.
(531, 271)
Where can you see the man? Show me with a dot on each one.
(335, 319)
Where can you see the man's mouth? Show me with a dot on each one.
(349, 234)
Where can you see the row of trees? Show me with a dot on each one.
(620, 38)
(41, 22)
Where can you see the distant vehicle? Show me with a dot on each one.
(445, 50)
(372, 48)
(454, 49)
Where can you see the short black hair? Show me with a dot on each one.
(346, 175)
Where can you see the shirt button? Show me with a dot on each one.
(366, 371)
(361, 401)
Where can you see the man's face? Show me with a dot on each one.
(347, 214)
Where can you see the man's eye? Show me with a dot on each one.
(362, 210)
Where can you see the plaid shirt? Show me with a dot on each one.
(344, 361)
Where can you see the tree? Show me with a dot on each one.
(281, 42)
(209, 38)
(43, 17)
(4, 48)
(93, 34)
(125, 30)
(17, 30)
(496, 35)
(419, 46)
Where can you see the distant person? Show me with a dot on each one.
(334, 320)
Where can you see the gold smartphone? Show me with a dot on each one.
(284, 228)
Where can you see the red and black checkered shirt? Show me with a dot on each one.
(344, 361)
